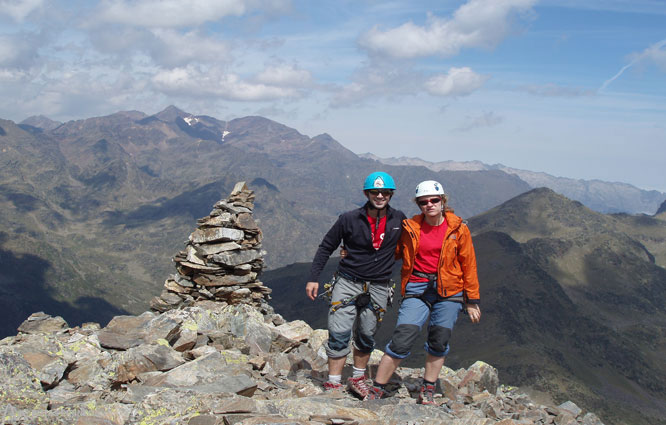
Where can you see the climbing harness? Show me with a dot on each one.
(432, 284)
(360, 300)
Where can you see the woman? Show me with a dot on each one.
(438, 280)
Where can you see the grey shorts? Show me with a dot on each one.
(347, 320)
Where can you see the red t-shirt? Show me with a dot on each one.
(430, 246)
(377, 230)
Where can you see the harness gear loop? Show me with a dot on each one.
(432, 283)
(360, 300)
(328, 287)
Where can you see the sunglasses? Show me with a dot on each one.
(425, 202)
(385, 192)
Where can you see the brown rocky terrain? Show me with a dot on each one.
(572, 304)
(223, 356)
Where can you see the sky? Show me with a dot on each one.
(573, 88)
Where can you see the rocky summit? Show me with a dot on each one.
(213, 351)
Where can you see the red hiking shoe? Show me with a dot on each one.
(333, 387)
(358, 386)
(427, 394)
(375, 393)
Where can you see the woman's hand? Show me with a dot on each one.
(474, 312)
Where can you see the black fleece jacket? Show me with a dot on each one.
(362, 261)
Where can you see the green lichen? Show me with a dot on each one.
(151, 418)
(76, 346)
(235, 358)
(190, 325)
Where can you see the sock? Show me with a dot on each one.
(378, 385)
(357, 372)
(426, 382)
(336, 379)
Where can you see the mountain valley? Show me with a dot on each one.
(92, 211)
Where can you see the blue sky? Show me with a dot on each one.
(572, 88)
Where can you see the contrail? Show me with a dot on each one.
(616, 76)
(645, 54)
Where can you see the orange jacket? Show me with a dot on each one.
(457, 261)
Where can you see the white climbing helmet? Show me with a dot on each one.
(429, 187)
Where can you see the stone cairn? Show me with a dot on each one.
(215, 353)
(222, 259)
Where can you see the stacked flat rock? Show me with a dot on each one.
(222, 259)
(221, 364)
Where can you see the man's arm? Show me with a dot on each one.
(329, 244)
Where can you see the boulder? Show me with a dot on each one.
(42, 323)
(146, 358)
(21, 387)
(479, 377)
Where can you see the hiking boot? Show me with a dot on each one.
(333, 387)
(427, 394)
(358, 386)
(375, 393)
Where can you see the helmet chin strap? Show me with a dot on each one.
(372, 207)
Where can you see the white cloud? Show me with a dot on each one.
(457, 82)
(13, 77)
(285, 75)
(175, 48)
(477, 23)
(191, 81)
(377, 80)
(350, 94)
(656, 54)
(166, 47)
(487, 119)
(19, 9)
(18, 50)
(178, 13)
(66, 92)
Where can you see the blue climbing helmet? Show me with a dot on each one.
(379, 180)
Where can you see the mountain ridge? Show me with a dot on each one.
(602, 196)
(98, 212)
(110, 195)
(213, 351)
(555, 319)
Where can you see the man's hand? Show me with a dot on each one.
(474, 312)
(311, 290)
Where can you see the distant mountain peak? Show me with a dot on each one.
(539, 212)
(41, 121)
(602, 196)
(543, 198)
(170, 113)
(435, 166)
(324, 137)
(662, 208)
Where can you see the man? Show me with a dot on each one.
(360, 291)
